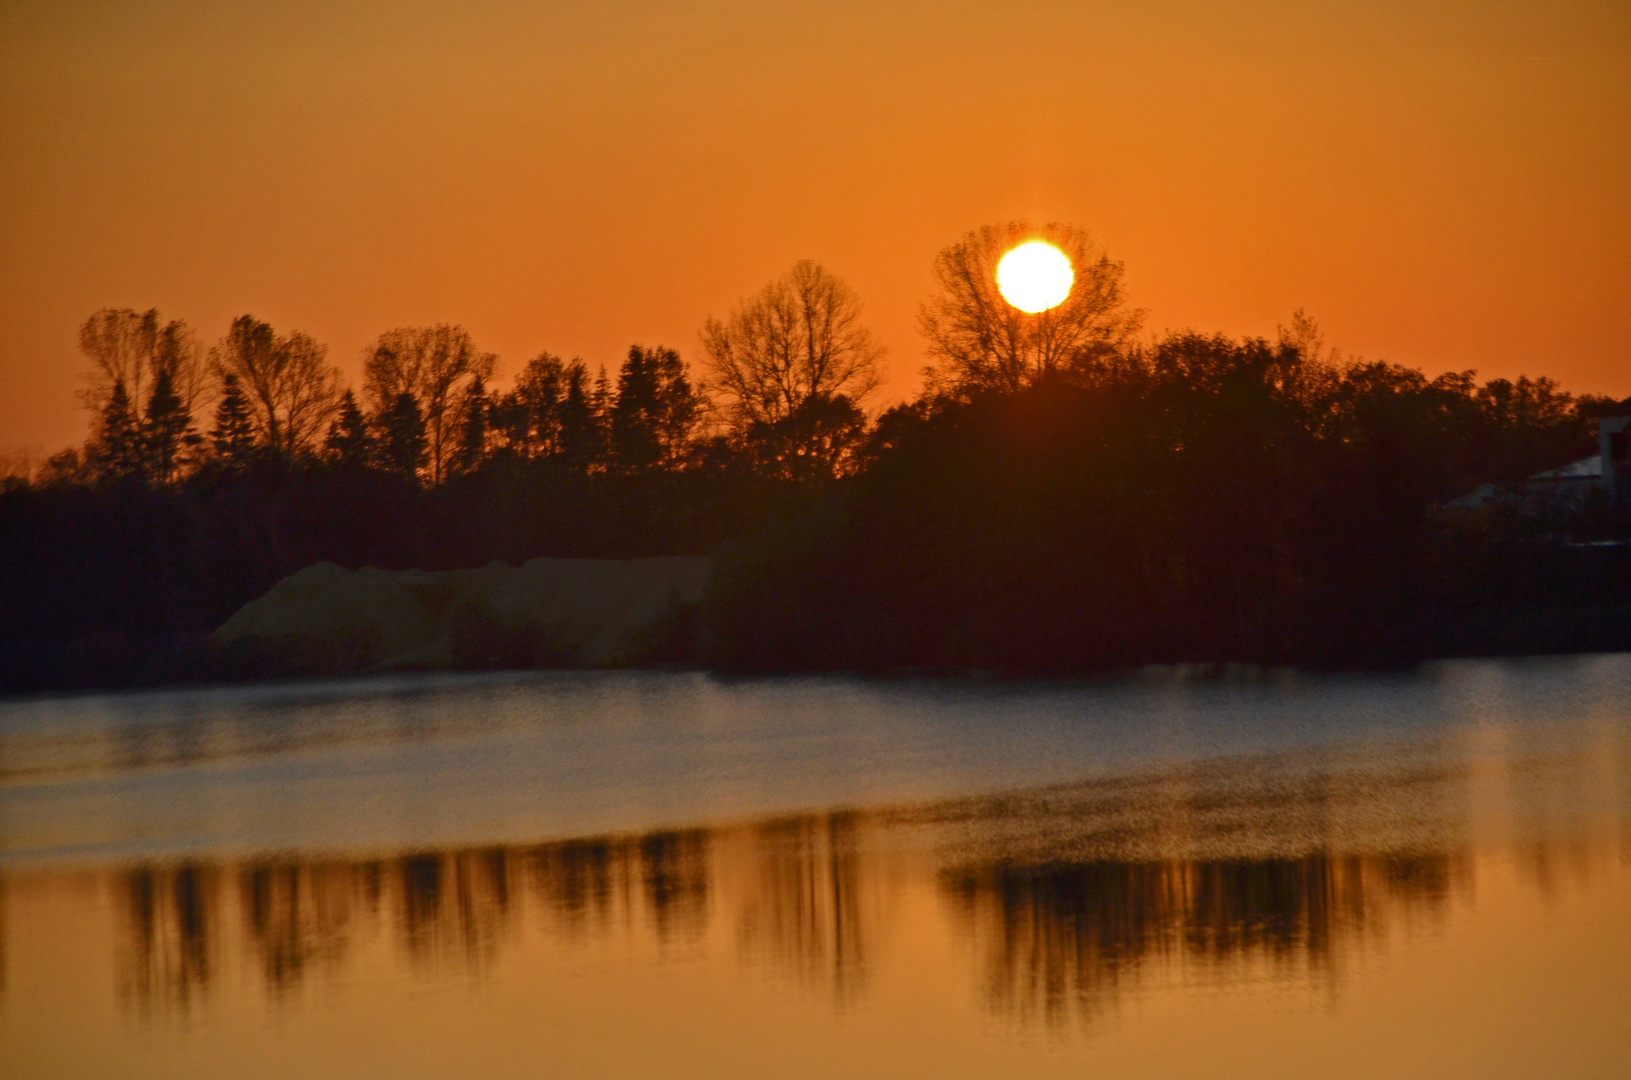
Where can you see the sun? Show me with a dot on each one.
(1035, 276)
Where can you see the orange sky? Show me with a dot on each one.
(1446, 185)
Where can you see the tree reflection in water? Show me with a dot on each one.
(297, 915)
(454, 907)
(813, 903)
(583, 883)
(808, 908)
(171, 936)
(1070, 897)
(674, 871)
(1064, 939)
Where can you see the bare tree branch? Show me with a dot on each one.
(292, 392)
(438, 365)
(798, 338)
(980, 341)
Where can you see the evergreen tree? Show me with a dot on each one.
(348, 441)
(232, 443)
(581, 427)
(167, 430)
(528, 415)
(600, 399)
(402, 444)
(117, 446)
(654, 412)
(471, 450)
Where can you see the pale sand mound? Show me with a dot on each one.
(550, 612)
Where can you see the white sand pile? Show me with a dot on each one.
(549, 612)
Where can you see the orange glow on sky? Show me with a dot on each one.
(1441, 184)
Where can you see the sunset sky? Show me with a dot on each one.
(1441, 184)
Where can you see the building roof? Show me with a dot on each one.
(1587, 468)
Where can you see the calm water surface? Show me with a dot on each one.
(667, 874)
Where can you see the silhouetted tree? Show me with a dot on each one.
(167, 431)
(472, 446)
(290, 390)
(819, 440)
(130, 348)
(116, 447)
(437, 365)
(66, 468)
(531, 418)
(797, 339)
(1528, 420)
(524, 419)
(1196, 497)
(348, 441)
(119, 342)
(131, 353)
(551, 414)
(401, 437)
(232, 441)
(981, 342)
(1189, 498)
(655, 411)
(601, 398)
(582, 411)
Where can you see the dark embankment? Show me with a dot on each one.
(105, 585)
(545, 613)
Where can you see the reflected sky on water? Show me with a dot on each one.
(664, 874)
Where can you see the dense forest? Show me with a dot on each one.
(1066, 494)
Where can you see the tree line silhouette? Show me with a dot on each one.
(1065, 494)
(1199, 499)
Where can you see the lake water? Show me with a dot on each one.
(652, 874)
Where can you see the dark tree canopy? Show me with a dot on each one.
(116, 447)
(474, 413)
(818, 441)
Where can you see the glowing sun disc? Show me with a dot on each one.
(1035, 276)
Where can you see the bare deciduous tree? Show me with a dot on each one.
(132, 349)
(290, 390)
(798, 338)
(438, 366)
(979, 341)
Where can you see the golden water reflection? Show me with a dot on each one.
(1432, 901)
(809, 898)
(817, 899)
(1058, 911)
